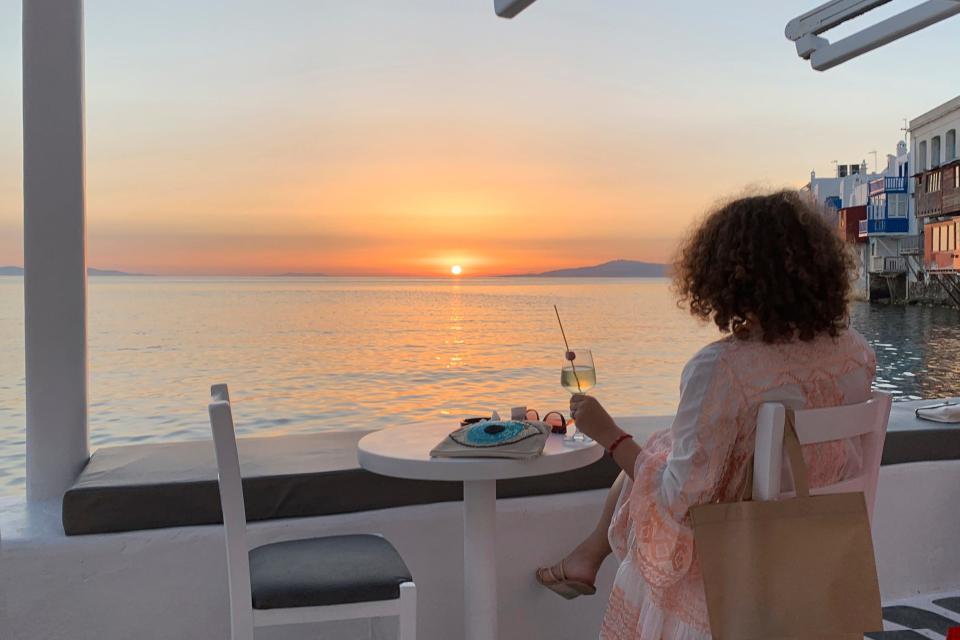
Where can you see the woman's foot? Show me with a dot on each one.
(555, 579)
(583, 563)
(576, 574)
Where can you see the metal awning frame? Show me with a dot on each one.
(806, 30)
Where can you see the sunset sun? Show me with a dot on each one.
(456, 270)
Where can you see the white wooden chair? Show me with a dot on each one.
(867, 420)
(302, 581)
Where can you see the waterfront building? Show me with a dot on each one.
(844, 200)
(850, 216)
(936, 184)
(873, 212)
(891, 229)
(828, 191)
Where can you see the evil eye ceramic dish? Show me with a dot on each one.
(494, 433)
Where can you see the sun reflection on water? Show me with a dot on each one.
(305, 355)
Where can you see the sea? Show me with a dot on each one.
(305, 355)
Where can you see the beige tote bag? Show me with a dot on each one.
(795, 569)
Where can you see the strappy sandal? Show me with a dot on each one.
(558, 582)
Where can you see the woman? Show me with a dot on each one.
(770, 272)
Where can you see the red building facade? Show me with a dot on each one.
(849, 223)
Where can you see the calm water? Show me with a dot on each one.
(305, 355)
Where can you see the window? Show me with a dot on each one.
(950, 237)
(897, 205)
(951, 141)
(935, 244)
(935, 151)
(922, 156)
(956, 177)
(933, 182)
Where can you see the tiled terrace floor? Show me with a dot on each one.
(919, 618)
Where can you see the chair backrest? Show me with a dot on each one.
(866, 420)
(234, 515)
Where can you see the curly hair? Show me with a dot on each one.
(768, 263)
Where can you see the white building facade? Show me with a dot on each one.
(874, 213)
(842, 197)
(891, 229)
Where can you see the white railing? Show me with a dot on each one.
(895, 265)
(887, 264)
(895, 184)
(889, 184)
(909, 245)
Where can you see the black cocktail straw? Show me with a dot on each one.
(569, 355)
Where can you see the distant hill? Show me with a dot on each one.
(18, 271)
(298, 274)
(612, 269)
(111, 272)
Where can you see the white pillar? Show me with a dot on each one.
(55, 281)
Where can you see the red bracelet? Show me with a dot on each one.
(616, 443)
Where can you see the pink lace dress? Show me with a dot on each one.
(703, 457)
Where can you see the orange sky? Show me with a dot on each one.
(402, 138)
(491, 203)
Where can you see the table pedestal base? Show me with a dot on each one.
(480, 559)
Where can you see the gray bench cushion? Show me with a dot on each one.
(326, 571)
(150, 486)
(910, 439)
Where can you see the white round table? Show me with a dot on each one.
(404, 452)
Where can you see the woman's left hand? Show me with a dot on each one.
(593, 420)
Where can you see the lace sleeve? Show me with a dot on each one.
(669, 480)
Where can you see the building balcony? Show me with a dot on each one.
(929, 191)
(929, 204)
(910, 246)
(889, 184)
(888, 264)
(878, 226)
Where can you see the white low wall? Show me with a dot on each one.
(916, 528)
(171, 583)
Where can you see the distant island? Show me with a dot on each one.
(111, 272)
(91, 271)
(298, 274)
(612, 269)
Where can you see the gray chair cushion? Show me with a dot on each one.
(326, 571)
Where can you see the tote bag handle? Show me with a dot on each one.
(798, 467)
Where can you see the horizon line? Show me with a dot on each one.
(119, 272)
